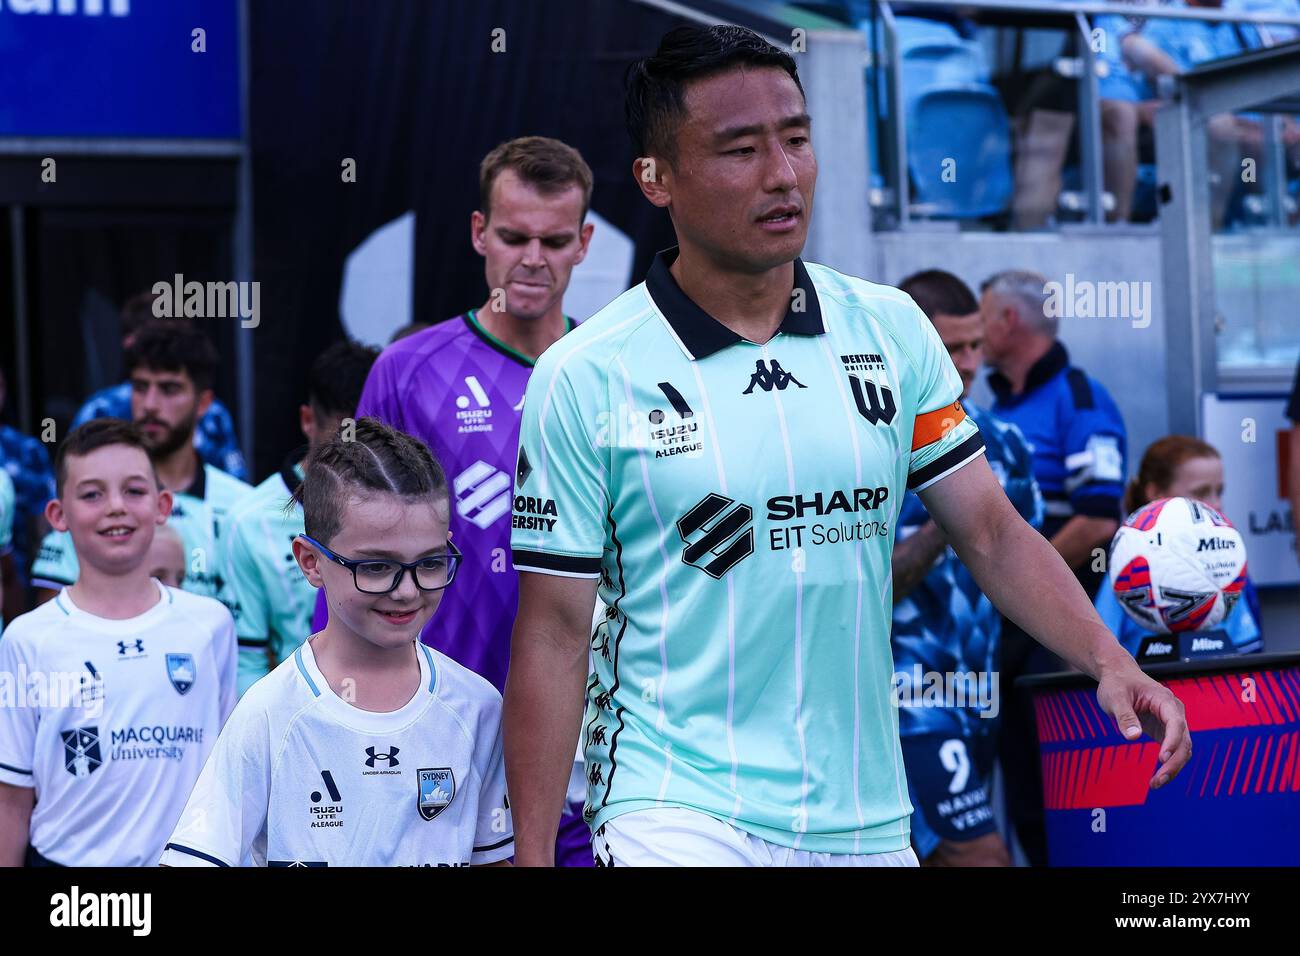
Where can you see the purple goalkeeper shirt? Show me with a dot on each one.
(461, 391)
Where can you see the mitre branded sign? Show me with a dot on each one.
(121, 68)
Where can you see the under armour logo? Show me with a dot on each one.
(770, 378)
(137, 647)
(390, 758)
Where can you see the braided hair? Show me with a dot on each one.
(375, 457)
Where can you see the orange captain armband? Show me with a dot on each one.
(932, 426)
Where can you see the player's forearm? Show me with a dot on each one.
(1081, 536)
(1044, 598)
(540, 726)
(15, 823)
(914, 556)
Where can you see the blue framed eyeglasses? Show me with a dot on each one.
(379, 576)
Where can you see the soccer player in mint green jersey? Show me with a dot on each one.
(271, 598)
(722, 452)
(171, 368)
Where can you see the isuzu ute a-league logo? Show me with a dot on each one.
(437, 788)
(81, 754)
(473, 411)
(670, 438)
(718, 534)
(875, 402)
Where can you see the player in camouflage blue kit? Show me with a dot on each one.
(946, 629)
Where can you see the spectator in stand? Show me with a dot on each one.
(214, 437)
(1178, 466)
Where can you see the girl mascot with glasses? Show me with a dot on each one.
(365, 747)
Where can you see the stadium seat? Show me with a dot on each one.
(976, 134)
(921, 31)
(941, 65)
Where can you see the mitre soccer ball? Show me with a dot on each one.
(1177, 565)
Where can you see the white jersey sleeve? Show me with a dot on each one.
(227, 653)
(17, 717)
(225, 816)
(494, 837)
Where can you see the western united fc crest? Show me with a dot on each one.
(437, 788)
(180, 670)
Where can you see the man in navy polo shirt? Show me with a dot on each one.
(1079, 446)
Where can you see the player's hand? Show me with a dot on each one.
(1139, 704)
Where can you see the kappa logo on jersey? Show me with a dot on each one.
(327, 814)
(81, 755)
(180, 671)
(479, 418)
(718, 533)
(131, 648)
(389, 758)
(774, 377)
(437, 789)
(482, 494)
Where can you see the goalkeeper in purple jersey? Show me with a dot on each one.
(459, 387)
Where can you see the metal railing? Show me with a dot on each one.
(1087, 68)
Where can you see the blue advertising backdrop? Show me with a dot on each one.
(119, 68)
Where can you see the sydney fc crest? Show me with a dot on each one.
(180, 669)
(437, 788)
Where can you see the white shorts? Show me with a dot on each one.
(674, 836)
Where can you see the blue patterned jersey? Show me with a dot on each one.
(214, 435)
(27, 462)
(946, 625)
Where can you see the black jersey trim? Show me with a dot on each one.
(195, 853)
(561, 563)
(949, 459)
(495, 846)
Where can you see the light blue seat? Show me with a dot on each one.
(967, 124)
(933, 64)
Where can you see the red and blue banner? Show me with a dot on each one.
(1237, 802)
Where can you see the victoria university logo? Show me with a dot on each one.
(718, 534)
